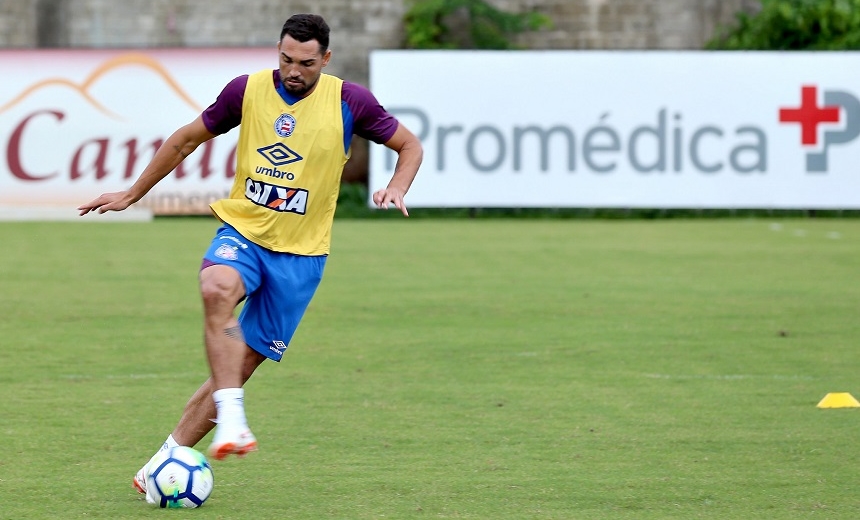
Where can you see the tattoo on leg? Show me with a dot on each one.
(235, 333)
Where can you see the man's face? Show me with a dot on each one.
(301, 64)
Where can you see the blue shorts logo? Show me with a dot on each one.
(284, 125)
(278, 347)
(227, 252)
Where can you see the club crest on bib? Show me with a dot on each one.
(284, 125)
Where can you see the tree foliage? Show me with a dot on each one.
(795, 25)
(429, 25)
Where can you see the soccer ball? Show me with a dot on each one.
(180, 477)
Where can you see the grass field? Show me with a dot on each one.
(481, 369)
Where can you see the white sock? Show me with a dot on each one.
(169, 443)
(230, 404)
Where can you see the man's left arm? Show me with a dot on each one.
(409, 156)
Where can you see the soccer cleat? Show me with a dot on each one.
(239, 445)
(139, 484)
(139, 481)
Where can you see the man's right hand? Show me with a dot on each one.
(116, 201)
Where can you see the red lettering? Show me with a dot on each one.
(90, 158)
(13, 150)
(98, 164)
(205, 160)
(230, 167)
(132, 156)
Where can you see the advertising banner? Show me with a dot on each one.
(651, 129)
(78, 123)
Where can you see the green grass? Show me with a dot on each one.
(482, 369)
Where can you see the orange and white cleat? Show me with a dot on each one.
(139, 481)
(239, 445)
(139, 484)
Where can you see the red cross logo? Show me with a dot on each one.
(809, 115)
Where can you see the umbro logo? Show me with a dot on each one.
(279, 154)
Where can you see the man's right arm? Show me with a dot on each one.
(175, 149)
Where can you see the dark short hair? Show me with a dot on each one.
(307, 27)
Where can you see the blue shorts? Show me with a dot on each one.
(278, 288)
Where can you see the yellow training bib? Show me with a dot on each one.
(289, 163)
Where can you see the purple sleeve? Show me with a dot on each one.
(370, 120)
(226, 112)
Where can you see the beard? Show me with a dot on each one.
(298, 89)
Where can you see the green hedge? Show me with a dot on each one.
(794, 25)
(428, 25)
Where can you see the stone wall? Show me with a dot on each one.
(18, 24)
(357, 25)
(629, 24)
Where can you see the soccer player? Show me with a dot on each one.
(296, 125)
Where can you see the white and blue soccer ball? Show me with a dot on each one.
(179, 477)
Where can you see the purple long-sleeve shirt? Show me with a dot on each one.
(362, 113)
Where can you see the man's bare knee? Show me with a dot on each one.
(221, 286)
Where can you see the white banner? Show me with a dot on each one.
(75, 124)
(626, 129)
